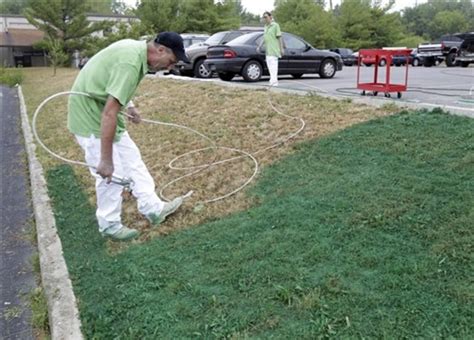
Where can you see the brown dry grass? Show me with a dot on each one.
(231, 117)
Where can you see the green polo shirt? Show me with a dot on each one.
(270, 36)
(115, 71)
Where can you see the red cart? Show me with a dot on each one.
(381, 57)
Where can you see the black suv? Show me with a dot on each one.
(197, 53)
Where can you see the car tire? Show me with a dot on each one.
(226, 76)
(200, 70)
(252, 71)
(297, 75)
(382, 62)
(367, 64)
(451, 59)
(415, 62)
(327, 68)
(464, 63)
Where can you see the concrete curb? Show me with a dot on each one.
(63, 313)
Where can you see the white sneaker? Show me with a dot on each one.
(168, 209)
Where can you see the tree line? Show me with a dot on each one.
(353, 23)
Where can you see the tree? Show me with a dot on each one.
(55, 53)
(446, 22)
(353, 22)
(12, 6)
(135, 30)
(307, 19)
(63, 21)
(228, 15)
(190, 15)
(162, 15)
(420, 20)
(386, 28)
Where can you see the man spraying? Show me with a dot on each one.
(111, 78)
(273, 46)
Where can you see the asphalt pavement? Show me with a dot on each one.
(451, 88)
(16, 273)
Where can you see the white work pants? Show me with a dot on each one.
(272, 64)
(127, 163)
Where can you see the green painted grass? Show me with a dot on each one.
(366, 233)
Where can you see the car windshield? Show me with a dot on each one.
(243, 39)
(215, 39)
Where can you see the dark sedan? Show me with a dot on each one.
(240, 57)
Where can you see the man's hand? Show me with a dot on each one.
(106, 169)
(133, 115)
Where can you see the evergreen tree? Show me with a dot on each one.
(307, 19)
(63, 22)
(12, 6)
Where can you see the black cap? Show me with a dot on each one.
(173, 41)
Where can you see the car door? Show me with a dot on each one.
(297, 58)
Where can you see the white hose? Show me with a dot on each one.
(171, 165)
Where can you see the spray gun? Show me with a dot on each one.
(126, 182)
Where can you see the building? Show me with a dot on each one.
(18, 36)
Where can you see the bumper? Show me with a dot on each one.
(430, 54)
(181, 66)
(233, 65)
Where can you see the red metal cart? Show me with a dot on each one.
(381, 57)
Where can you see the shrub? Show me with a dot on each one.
(11, 76)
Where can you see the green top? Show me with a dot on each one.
(270, 36)
(115, 71)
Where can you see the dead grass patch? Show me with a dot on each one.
(231, 117)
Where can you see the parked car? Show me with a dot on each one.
(346, 54)
(466, 50)
(197, 53)
(193, 38)
(240, 57)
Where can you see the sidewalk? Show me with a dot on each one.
(17, 278)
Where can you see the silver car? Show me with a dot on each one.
(197, 53)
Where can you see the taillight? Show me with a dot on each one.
(229, 54)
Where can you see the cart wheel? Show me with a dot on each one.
(399, 95)
(362, 93)
(375, 93)
(387, 94)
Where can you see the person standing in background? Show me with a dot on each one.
(273, 46)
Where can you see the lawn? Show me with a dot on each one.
(354, 231)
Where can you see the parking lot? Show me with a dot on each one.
(449, 88)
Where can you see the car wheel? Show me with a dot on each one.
(451, 59)
(416, 62)
(226, 76)
(297, 75)
(252, 71)
(200, 70)
(382, 62)
(367, 64)
(327, 68)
